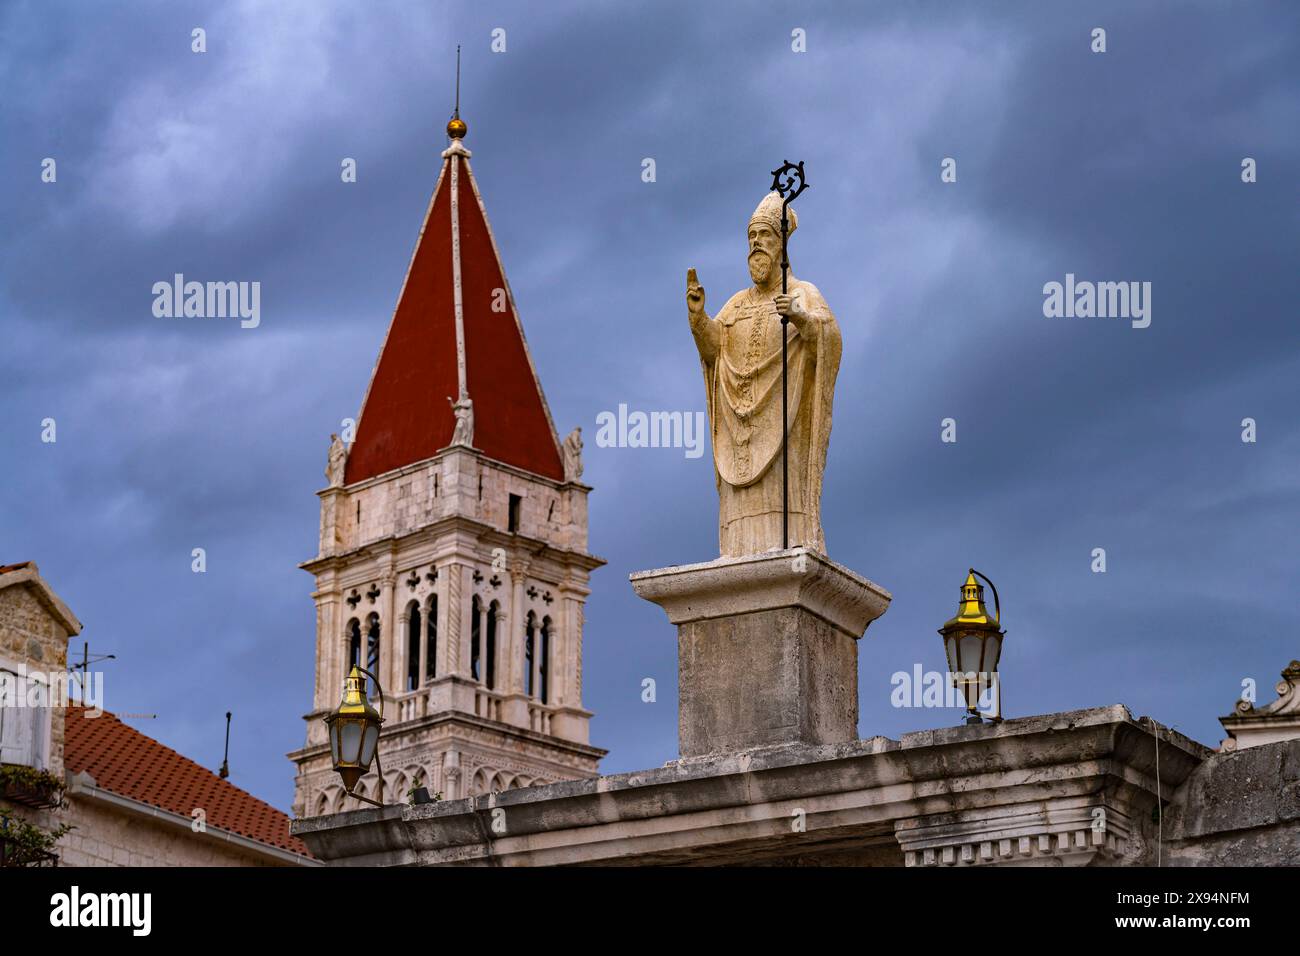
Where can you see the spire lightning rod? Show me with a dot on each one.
(458, 81)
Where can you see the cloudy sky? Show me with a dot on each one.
(1072, 433)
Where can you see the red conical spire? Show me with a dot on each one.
(455, 333)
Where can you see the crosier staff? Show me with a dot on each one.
(788, 182)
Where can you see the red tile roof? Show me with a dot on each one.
(6, 568)
(133, 765)
(406, 417)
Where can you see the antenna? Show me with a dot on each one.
(224, 772)
(84, 666)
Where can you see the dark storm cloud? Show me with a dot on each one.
(1073, 433)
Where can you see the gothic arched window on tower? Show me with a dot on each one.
(372, 648)
(544, 661)
(431, 639)
(474, 640)
(413, 637)
(493, 609)
(354, 644)
(529, 631)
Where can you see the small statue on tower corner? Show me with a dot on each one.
(573, 455)
(337, 463)
(463, 409)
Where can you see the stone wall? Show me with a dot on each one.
(1237, 809)
(30, 635)
(28, 630)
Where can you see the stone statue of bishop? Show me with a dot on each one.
(740, 353)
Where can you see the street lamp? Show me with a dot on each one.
(354, 733)
(973, 642)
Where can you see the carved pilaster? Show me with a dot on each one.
(518, 569)
(577, 663)
(451, 776)
(389, 656)
(456, 612)
(568, 684)
(331, 532)
(326, 606)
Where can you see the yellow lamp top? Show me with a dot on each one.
(972, 612)
(355, 702)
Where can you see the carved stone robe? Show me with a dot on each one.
(740, 353)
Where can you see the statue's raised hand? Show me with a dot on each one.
(694, 293)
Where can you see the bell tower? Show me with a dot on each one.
(453, 559)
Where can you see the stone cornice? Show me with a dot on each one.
(423, 465)
(797, 577)
(1056, 788)
(440, 527)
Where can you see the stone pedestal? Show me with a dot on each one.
(767, 648)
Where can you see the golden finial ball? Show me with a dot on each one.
(457, 129)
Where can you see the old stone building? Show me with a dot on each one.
(128, 800)
(453, 560)
(770, 768)
(35, 626)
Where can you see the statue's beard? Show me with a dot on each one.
(760, 266)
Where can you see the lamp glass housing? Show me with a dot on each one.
(972, 642)
(353, 731)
